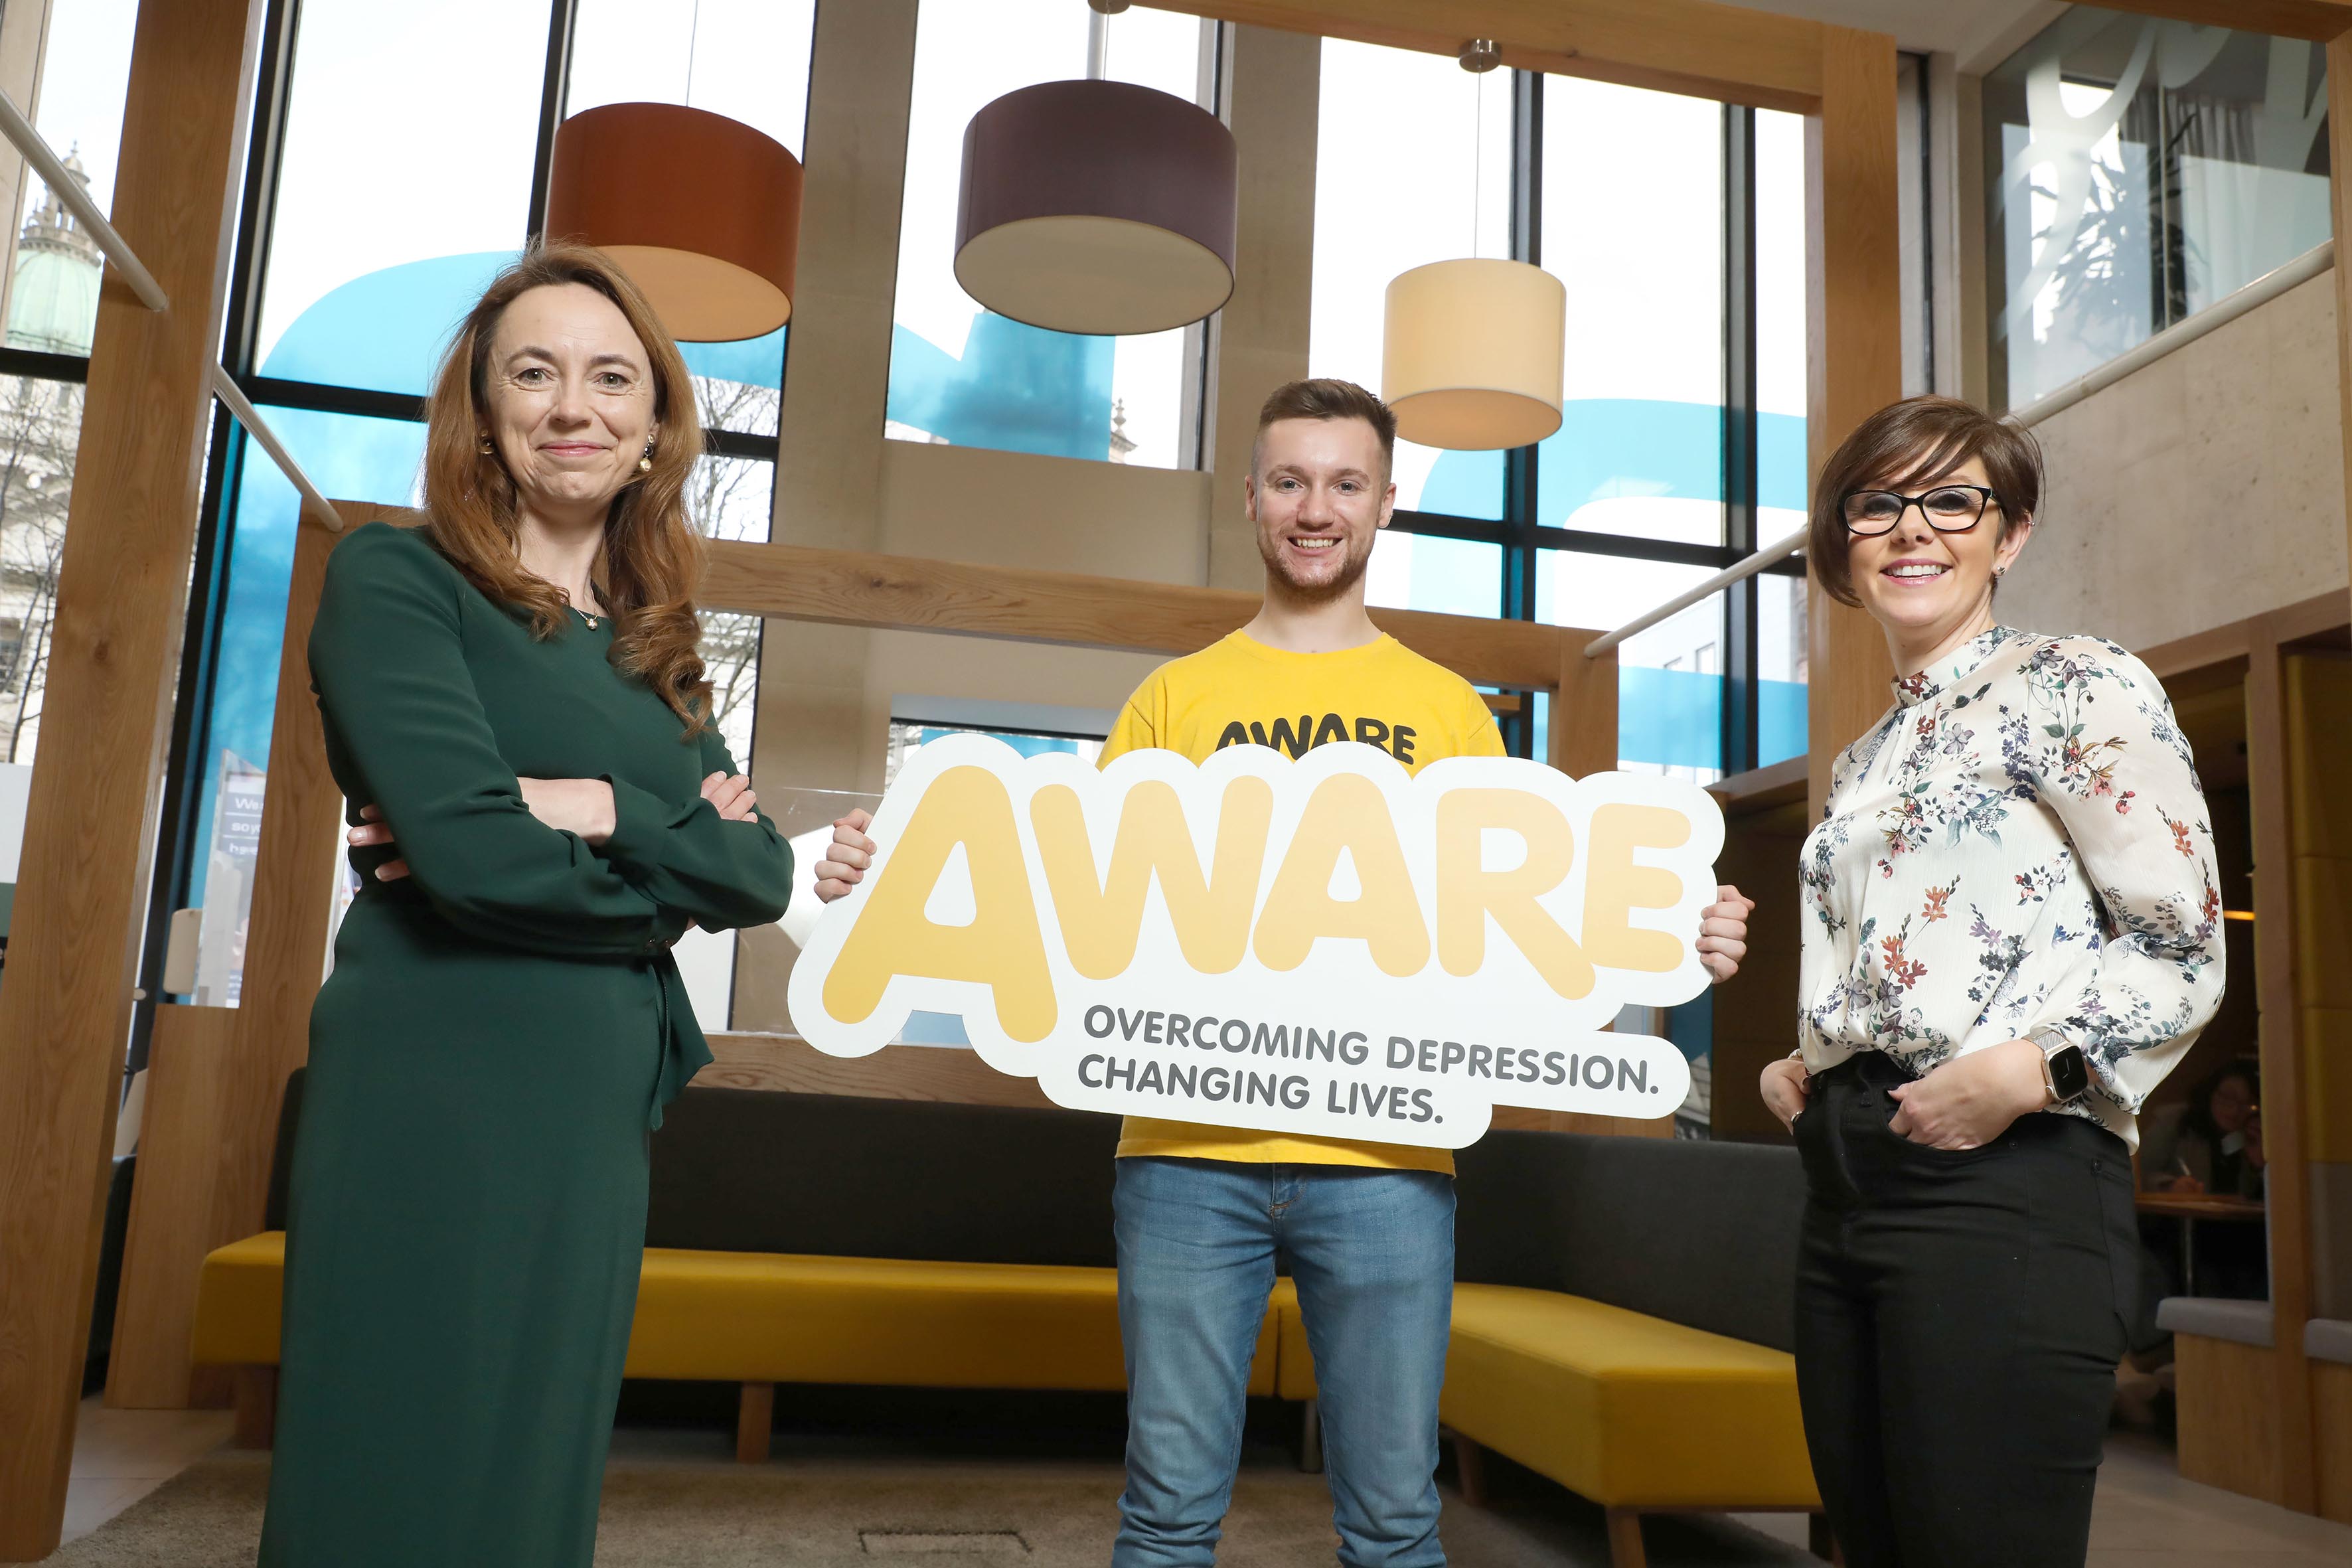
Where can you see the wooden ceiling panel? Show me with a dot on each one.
(1694, 46)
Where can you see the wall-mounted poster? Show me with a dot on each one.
(1325, 946)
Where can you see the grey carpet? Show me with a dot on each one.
(697, 1510)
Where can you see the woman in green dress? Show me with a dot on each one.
(513, 696)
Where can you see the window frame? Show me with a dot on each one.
(1521, 537)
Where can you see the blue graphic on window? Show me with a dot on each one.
(1610, 447)
(1016, 388)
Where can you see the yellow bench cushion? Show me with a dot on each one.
(749, 1316)
(237, 1297)
(1624, 1408)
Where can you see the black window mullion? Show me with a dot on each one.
(1518, 584)
(554, 86)
(1741, 704)
(176, 850)
(1527, 245)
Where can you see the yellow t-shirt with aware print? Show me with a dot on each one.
(1240, 692)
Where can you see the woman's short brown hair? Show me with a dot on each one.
(1916, 442)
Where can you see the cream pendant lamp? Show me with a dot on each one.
(1472, 356)
(1098, 207)
(701, 210)
(1472, 350)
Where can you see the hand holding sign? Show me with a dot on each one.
(1323, 946)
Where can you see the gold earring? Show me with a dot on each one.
(487, 447)
(646, 463)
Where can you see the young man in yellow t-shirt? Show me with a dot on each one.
(1204, 1213)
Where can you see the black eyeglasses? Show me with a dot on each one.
(1949, 508)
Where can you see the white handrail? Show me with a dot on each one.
(69, 190)
(2219, 313)
(233, 396)
(1777, 550)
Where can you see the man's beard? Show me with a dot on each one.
(1352, 566)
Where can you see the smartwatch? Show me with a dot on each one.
(2064, 1074)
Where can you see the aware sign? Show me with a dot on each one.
(1323, 946)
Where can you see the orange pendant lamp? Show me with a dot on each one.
(703, 212)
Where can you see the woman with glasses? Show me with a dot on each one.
(2011, 932)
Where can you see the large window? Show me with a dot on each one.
(69, 66)
(965, 376)
(1675, 225)
(346, 292)
(2137, 171)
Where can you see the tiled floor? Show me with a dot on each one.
(2148, 1516)
(120, 1455)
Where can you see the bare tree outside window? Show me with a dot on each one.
(729, 497)
(40, 426)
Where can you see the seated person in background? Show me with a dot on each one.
(2211, 1144)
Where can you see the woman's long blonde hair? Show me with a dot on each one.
(652, 557)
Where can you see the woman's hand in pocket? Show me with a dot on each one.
(1784, 1091)
(1968, 1101)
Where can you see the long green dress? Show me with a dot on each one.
(500, 1034)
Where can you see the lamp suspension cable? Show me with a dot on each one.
(1098, 16)
(1477, 155)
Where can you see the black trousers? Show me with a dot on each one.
(1959, 1316)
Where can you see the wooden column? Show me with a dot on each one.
(1582, 737)
(64, 1013)
(217, 1073)
(1854, 361)
(2339, 147)
(813, 725)
(1260, 336)
(2275, 978)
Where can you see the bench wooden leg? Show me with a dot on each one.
(1470, 1469)
(1823, 1539)
(1625, 1540)
(755, 1418)
(1310, 1439)
(256, 1406)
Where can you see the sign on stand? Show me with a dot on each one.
(1324, 946)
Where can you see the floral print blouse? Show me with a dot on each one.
(2021, 843)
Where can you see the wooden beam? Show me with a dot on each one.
(2279, 988)
(899, 593)
(2319, 21)
(1853, 319)
(212, 1092)
(64, 1013)
(171, 1225)
(294, 870)
(1731, 52)
(1582, 735)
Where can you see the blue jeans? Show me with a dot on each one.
(1372, 1254)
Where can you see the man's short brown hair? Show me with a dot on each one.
(1326, 397)
(1907, 445)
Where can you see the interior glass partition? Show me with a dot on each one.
(2137, 171)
